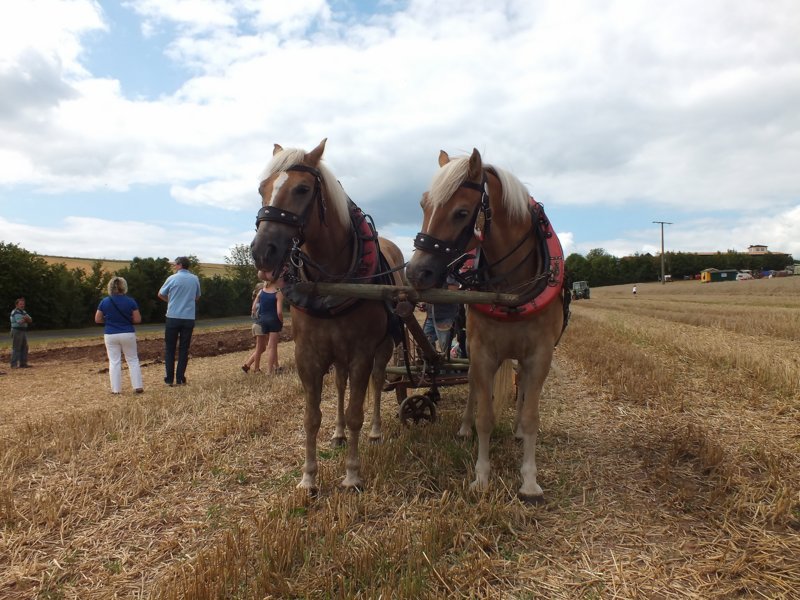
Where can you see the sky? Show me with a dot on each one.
(140, 127)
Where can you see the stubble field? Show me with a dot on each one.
(669, 455)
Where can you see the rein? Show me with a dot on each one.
(299, 259)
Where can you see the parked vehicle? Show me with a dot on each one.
(580, 289)
(743, 276)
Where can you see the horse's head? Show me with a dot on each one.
(290, 190)
(456, 214)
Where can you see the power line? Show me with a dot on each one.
(663, 279)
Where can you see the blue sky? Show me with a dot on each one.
(139, 128)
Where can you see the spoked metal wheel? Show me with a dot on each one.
(417, 408)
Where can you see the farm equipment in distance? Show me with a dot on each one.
(580, 290)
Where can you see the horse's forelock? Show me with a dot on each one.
(337, 198)
(448, 179)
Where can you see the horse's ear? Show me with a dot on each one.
(444, 158)
(276, 149)
(313, 157)
(475, 172)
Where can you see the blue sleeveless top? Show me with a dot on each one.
(267, 306)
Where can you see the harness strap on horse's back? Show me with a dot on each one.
(549, 286)
(366, 267)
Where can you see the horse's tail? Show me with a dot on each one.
(504, 388)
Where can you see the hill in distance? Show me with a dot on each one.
(112, 266)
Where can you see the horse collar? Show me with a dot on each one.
(552, 281)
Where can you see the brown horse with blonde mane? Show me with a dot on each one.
(309, 230)
(479, 210)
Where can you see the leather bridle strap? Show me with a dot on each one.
(457, 247)
(287, 217)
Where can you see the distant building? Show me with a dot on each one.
(753, 250)
(712, 274)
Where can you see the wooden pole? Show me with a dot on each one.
(394, 293)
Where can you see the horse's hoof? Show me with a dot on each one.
(312, 492)
(375, 439)
(355, 489)
(339, 442)
(531, 500)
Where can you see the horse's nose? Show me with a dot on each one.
(420, 276)
(264, 252)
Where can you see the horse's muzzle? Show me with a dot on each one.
(269, 256)
(425, 271)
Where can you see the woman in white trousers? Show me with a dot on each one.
(119, 313)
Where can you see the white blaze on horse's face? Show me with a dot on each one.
(276, 186)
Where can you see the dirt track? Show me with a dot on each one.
(212, 343)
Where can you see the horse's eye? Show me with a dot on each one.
(461, 213)
(302, 189)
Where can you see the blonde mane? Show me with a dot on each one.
(452, 175)
(335, 194)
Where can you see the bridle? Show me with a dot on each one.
(287, 217)
(457, 248)
(456, 253)
(295, 256)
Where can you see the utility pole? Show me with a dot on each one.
(663, 280)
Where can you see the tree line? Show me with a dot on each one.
(60, 298)
(600, 268)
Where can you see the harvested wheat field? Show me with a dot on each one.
(669, 456)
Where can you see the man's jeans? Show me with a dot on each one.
(177, 333)
(19, 347)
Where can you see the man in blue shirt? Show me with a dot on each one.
(19, 335)
(180, 291)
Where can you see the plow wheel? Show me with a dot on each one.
(417, 408)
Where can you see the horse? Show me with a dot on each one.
(308, 229)
(472, 208)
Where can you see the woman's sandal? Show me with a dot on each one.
(245, 368)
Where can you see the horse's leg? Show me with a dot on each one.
(377, 380)
(533, 372)
(481, 379)
(360, 369)
(518, 417)
(312, 386)
(339, 439)
(468, 416)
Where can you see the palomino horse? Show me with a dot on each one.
(472, 206)
(308, 229)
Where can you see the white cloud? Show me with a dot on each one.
(52, 29)
(103, 238)
(780, 231)
(623, 103)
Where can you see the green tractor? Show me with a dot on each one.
(580, 290)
